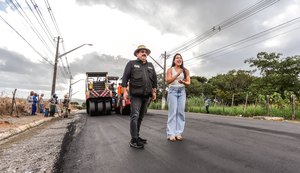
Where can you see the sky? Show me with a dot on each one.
(229, 32)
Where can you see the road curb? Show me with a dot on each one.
(269, 118)
(23, 128)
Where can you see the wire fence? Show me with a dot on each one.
(287, 109)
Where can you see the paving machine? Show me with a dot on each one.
(98, 94)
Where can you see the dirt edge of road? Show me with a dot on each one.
(74, 129)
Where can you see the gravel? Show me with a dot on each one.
(40, 149)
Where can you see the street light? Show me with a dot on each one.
(70, 89)
(56, 60)
(73, 50)
(75, 93)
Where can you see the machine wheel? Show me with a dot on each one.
(100, 108)
(107, 107)
(92, 109)
(87, 107)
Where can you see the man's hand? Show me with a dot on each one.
(125, 94)
(153, 96)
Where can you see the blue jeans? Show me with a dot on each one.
(138, 109)
(41, 108)
(33, 112)
(176, 116)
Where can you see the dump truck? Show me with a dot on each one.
(98, 94)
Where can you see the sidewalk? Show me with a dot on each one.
(10, 126)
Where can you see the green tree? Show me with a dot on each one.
(278, 74)
(159, 85)
(235, 82)
(194, 89)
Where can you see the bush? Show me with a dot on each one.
(6, 105)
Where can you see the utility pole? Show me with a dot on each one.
(70, 87)
(56, 60)
(163, 99)
(55, 68)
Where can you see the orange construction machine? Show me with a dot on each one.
(122, 106)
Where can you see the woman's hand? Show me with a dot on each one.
(181, 81)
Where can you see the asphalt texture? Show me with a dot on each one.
(211, 144)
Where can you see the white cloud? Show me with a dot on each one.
(117, 27)
(272, 43)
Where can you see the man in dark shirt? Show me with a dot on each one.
(142, 80)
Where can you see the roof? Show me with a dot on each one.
(96, 74)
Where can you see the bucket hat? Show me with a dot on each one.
(142, 47)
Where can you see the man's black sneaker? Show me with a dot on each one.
(144, 141)
(134, 143)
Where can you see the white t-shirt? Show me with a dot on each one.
(175, 83)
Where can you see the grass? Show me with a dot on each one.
(196, 105)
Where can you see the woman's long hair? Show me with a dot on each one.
(181, 66)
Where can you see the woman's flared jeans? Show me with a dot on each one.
(176, 116)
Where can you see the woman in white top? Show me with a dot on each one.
(177, 78)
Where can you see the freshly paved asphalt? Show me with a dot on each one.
(211, 144)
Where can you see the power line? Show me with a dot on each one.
(236, 18)
(64, 68)
(42, 19)
(26, 41)
(250, 38)
(68, 67)
(58, 31)
(259, 41)
(52, 17)
(29, 22)
(46, 33)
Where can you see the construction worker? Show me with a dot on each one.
(66, 106)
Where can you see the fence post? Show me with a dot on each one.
(293, 107)
(232, 100)
(215, 102)
(14, 104)
(245, 107)
(255, 104)
(223, 106)
(268, 105)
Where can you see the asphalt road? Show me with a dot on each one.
(211, 144)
